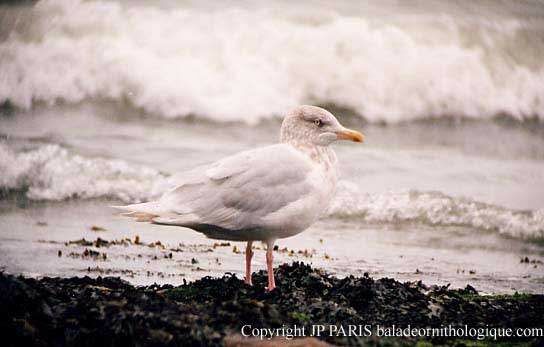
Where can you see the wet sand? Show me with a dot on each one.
(80, 238)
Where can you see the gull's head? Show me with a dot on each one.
(315, 125)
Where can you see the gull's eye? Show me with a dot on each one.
(318, 123)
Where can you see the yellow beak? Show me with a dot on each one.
(348, 134)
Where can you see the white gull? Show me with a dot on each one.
(263, 194)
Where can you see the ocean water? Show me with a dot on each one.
(102, 101)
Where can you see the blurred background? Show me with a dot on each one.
(101, 101)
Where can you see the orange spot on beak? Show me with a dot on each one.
(350, 135)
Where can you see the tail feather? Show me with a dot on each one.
(144, 212)
(152, 207)
(153, 212)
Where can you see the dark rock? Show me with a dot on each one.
(108, 311)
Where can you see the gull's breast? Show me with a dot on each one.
(298, 215)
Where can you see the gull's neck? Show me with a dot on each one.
(323, 155)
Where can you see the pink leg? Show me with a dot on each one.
(270, 266)
(249, 255)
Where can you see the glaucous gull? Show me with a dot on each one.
(262, 194)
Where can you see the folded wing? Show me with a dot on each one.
(238, 192)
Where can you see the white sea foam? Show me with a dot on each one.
(437, 209)
(247, 64)
(52, 173)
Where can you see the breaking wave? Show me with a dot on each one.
(51, 172)
(249, 64)
(437, 209)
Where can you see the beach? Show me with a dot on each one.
(438, 230)
(102, 103)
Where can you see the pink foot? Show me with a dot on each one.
(249, 255)
(270, 266)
